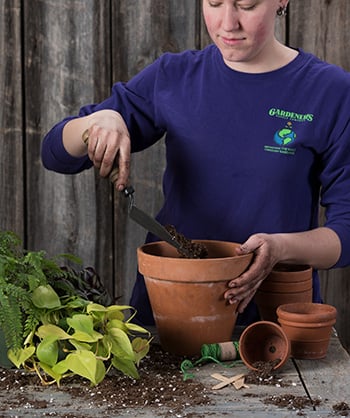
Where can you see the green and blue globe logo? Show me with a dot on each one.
(285, 136)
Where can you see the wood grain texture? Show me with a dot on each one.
(327, 379)
(320, 27)
(66, 66)
(12, 184)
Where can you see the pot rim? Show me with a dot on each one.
(142, 249)
(306, 312)
(311, 324)
(160, 260)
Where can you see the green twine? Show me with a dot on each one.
(209, 352)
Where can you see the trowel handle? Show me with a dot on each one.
(113, 176)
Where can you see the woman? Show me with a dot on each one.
(257, 134)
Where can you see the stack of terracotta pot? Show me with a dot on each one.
(285, 284)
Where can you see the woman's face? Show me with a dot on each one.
(243, 30)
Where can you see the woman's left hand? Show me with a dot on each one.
(266, 254)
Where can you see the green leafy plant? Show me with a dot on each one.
(55, 322)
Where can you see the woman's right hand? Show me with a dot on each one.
(106, 140)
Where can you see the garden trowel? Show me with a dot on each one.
(149, 223)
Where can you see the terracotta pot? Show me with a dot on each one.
(308, 327)
(264, 341)
(285, 284)
(187, 295)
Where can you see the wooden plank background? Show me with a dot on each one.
(59, 55)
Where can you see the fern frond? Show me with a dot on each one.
(35, 262)
(10, 243)
(31, 322)
(11, 321)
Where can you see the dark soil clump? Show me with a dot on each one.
(291, 402)
(188, 249)
(264, 375)
(342, 408)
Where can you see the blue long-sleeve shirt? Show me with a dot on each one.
(245, 153)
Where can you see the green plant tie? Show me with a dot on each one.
(209, 352)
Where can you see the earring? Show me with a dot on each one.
(282, 11)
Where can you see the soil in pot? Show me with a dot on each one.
(308, 327)
(264, 342)
(187, 295)
(286, 283)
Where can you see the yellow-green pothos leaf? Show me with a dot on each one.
(136, 328)
(44, 296)
(50, 330)
(121, 345)
(20, 356)
(78, 345)
(126, 366)
(84, 328)
(141, 348)
(49, 371)
(47, 350)
(116, 323)
(85, 364)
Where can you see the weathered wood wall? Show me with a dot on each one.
(58, 55)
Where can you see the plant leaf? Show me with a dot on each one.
(61, 367)
(84, 328)
(76, 303)
(112, 308)
(29, 338)
(121, 345)
(95, 307)
(81, 322)
(48, 370)
(47, 350)
(104, 347)
(52, 330)
(115, 314)
(20, 356)
(126, 366)
(45, 297)
(92, 337)
(136, 328)
(78, 345)
(85, 364)
(141, 348)
(117, 323)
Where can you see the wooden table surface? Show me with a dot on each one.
(325, 383)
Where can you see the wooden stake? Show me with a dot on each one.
(225, 381)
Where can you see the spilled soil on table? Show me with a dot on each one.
(161, 384)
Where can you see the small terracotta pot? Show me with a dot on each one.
(286, 283)
(308, 327)
(187, 295)
(264, 341)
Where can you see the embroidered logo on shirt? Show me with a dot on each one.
(284, 138)
(295, 117)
